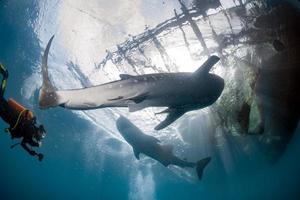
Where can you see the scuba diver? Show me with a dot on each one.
(21, 120)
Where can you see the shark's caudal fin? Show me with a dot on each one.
(47, 97)
(206, 67)
(200, 165)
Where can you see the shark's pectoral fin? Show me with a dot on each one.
(173, 115)
(200, 165)
(125, 76)
(136, 153)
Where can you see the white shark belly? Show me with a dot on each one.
(118, 93)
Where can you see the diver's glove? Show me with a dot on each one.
(40, 156)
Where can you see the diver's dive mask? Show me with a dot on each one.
(40, 134)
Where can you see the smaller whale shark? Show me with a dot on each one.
(150, 146)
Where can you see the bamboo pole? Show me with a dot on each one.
(194, 27)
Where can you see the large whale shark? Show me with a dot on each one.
(180, 92)
(150, 146)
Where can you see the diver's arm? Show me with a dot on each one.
(24, 145)
(31, 152)
(33, 143)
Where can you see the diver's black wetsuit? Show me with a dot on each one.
(25, 128)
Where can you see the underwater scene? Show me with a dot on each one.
(150, 99)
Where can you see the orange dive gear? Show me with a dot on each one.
(18, 113)
(18, 108)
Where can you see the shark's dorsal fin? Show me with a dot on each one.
(125, 76)
(136, 153)
(206, 67)
(173, 115)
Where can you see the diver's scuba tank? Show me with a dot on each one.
(18, 113)
(18, 109)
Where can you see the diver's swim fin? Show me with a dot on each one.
(200, 165)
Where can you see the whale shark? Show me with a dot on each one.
(152, 147)
(179, 92)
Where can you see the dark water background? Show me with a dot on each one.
(64, 174)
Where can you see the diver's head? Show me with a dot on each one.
(39, 134)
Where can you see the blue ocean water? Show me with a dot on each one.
(69, 172)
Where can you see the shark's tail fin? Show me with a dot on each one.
(47, 97)
(200, 165)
